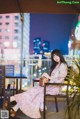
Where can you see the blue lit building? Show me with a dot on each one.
(45, 46)
(40, 47)
(37, 46)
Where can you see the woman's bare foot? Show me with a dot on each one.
(5, 105)
(12, 112)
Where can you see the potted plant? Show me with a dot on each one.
(74, 105)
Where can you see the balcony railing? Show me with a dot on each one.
(32, 68)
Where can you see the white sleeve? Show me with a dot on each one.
(62, 73)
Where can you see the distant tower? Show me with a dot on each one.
(41, 47)
(37, 45)
(46, 46)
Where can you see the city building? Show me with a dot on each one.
(74, 41)
(11, 34)
(14, 41)
(40, 47)
(37, 46)
(46, 46)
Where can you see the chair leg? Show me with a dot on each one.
(56, 104)
(44, 113)
(69, 116)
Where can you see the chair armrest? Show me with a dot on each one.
(34, 81)
(57, 84)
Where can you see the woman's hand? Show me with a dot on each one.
(46, 75)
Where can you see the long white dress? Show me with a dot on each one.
(30, 101)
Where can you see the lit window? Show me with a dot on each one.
(16, 31)
(6, 44)
(16, 17)
(15, 44)
(0, 17)
(7, 30)
(7, 17)
(7, 23)
(6, 37)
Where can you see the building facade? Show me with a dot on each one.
(11, 34)
(74, 42)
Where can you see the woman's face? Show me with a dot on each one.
(56, 58)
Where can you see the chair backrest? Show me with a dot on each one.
(68, 73)
(35, 81)
(9, 69)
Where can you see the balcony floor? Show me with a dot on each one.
(50, 113)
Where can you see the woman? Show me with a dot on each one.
(31, 101)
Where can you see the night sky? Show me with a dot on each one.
(55, 28)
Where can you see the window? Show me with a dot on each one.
(15, 37)
(0, 44)
(7, 17)
(7, 23)
(0, 17)
(0, 30)
(16, 17)
(6, 37)
(7, 30)
(16, 24)
(16, 31)
(15, 44)
(6, 44)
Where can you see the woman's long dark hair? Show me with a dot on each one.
(54, 63)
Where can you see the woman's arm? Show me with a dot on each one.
(59, 74)
(62, 74)
(46, 75)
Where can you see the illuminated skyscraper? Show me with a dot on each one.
(46, 46)
(37, 45)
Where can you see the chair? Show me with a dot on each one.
(4, 94)
(61, 95)
(9, 69)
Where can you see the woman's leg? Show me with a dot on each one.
(6, 102)
(15, 108)
(12, 98)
